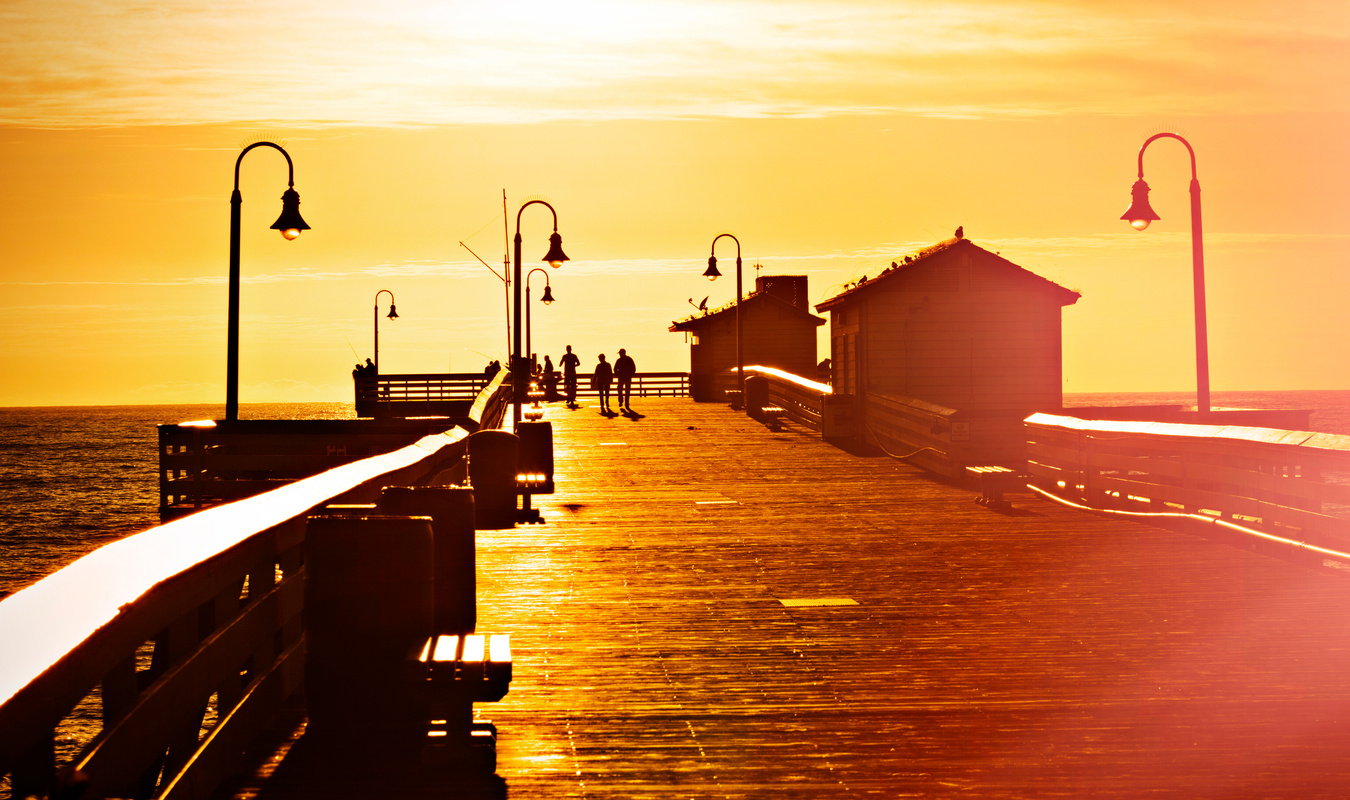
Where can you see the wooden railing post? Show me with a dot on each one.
(368, 597)
(451, 509)
(493, 462)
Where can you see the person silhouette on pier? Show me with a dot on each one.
(570, 362)
(600, 381)
(624, 369)
(550, 380)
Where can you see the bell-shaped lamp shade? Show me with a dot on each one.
(555, 255)
(548, 295)
(1140, 213)
(290, 223)
(393, 312)
(711, 272)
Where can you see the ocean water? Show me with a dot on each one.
(72, 479)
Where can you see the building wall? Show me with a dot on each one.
(774, 336)
(960, 336)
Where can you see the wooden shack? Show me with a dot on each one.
(778, 327)
(949, 350)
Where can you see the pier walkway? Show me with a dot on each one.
(716, 610)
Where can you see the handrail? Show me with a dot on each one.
(1273, 480)
(802, 399)
(212, 591)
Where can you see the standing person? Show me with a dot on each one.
(570, 362)
(550, 380)
(600, 381)
(624, 368)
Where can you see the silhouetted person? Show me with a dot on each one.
(824, 370)
(550, 380)
(624, 368)
(370, 368)
(570, 362)
(491, 370)
(604, 374)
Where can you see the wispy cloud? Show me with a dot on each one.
(850, 262)
(319, 61)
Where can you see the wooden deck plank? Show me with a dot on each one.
(1047, 653)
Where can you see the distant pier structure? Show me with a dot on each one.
(778, 327)
(949, 350)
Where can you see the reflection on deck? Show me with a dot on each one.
(680, 627)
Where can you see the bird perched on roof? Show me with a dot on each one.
(960, 232)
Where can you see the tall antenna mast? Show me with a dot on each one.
(506, 270)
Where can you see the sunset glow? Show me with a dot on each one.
(834, 137)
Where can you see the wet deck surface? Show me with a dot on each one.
(1046, 653)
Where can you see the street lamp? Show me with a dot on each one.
(555, 257)
(712, 274)
(546, 299)
(290, 223)
(1139, 215)
(393, 314)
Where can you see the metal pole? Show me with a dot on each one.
(1201, 328)
(517, 380)
(232, 319)
(740, 352)
(1202, 404)
(232, 311)
(377, 334)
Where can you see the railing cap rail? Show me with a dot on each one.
(1330, 442)
(805, 383)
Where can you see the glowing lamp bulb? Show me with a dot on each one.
(1139, 224)
(290, 234)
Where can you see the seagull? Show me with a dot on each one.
(960, 231)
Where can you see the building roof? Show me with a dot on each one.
(932, 257)
(693, 323)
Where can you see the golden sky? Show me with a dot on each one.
(830, 137)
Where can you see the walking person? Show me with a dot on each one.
(604, 374)
(570, 362)
(624, 369)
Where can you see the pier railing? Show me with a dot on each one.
(450, 394)
(148, 664)
(1294, 484)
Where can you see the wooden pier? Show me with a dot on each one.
(712, 609)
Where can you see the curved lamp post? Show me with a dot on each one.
(555, 258)
(546, 299)
(712, 274)
(1139, 215)
(393, 314)
(290, 223)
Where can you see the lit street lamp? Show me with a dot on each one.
(555, 257)
(393, 314)
(1139, 215)
(712, 274)
(546, 299)
(290, 223)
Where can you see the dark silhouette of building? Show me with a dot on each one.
(955, 327)
(778, 327)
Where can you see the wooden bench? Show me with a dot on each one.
(772, 416)
(451, 673)
(993, 481)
